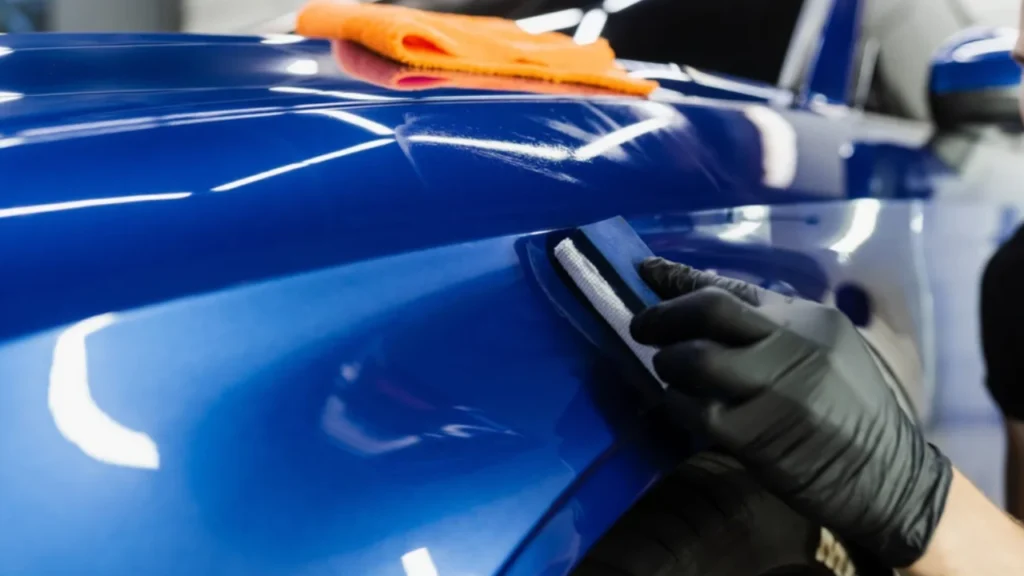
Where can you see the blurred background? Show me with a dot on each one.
(223, 16)
(227, 16)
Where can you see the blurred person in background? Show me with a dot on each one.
(1002, 336)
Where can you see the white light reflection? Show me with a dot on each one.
(740, 231)
(673, 73)
(313, 106)
(1004, 41)
(689, 74)
(551, 21)
(96, 127)
(332, 93)
(778, 146)
(337, 423)
(4, 51)
(751, 218)
(657, 109)
(557, 153)
(536, 150)
(309, 162)
(365, 124)
(613, 6)
(281, 39)
(419, 563)
(590, 26)
(223, 118)
(10, 96)
(85, 129)
(712, 81)
(862, 225)
(303, 67)
(917, 222)
(61, 206)
(619, 137)
(243, 112)
(76, 414)
(819, 103)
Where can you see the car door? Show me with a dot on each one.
(787, 84)
(799, 113)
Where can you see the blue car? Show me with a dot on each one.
(261, 315)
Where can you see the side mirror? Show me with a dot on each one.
(974, 79)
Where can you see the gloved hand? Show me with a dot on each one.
(791, 389)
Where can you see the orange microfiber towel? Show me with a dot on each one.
(468, 44)
(360, 63)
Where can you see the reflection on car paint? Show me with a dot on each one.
(302, 164)
(779, 150)
(91, 203)
(862, 222)
(75, 412)
(419, 563)
(365, 395)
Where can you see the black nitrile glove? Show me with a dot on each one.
(791, 389)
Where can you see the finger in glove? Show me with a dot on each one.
(709, 313)
(669, 280)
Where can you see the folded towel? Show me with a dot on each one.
(360, 63)
(476, 44)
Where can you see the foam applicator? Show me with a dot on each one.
(602, 260)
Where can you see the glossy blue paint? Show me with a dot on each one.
(831, 71)
(693, 82)
(312, 178)
(313, 435)
(263, 318)
(975, 59)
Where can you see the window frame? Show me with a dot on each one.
(803, 45)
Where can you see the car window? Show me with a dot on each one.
(744, 38)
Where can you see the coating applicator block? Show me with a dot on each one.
(602, 260)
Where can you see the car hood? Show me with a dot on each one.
(102, 77)
(99, 77)
(144, 168)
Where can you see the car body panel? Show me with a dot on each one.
(310, 433)
(260, 195)
(250, 330)
(833, 65)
